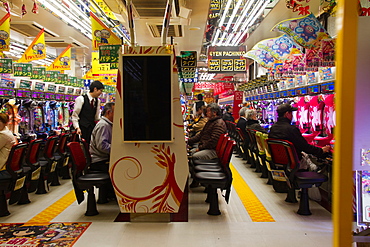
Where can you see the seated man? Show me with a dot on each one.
(208, 137)
(252, 122)
(242, 122)
(198, 125)
(228, 116)
(101, 139)
(283, 129)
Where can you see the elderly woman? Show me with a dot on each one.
(7, 140)
(252, 122)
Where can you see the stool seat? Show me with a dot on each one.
(217, 179)
(307, 179)
(206, 162)
(97, 177)
(208, 168)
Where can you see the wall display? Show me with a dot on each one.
(51, 88)
(39, 86)
(7, 82)
(25, 84)
(147, 89)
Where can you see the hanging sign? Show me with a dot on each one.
(109, 53)
(62, 79)
(22, 69)
(223, 59)
(6, 65)
(71, 81)
(38, 73)
(51, 76)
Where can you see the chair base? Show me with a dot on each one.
(54, 179)
(291, 196)
(304, 203)
(24, 196)
(91, 203)
(3, 205)
(213, 202)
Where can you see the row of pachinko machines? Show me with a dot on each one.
(315, 116)
(30, 119)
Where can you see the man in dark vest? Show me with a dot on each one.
(87, 110)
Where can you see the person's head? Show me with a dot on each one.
(4, 119)
(200, 110)
(242, 111)
(96, 89)
(200, 97)
(213, 110)
(108, 111)
(251, 114)
(285, 110)
(229, 109)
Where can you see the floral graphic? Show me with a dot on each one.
(160, 194)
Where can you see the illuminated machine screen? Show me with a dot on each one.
(147, 98)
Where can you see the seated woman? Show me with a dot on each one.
(7, 140)
(198, 125)
(252, 122)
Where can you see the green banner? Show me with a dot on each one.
(72, 81)
(109, 53)
(51, 76)
(22, 69)
(38, 73)
(62, 79)
(6, 66)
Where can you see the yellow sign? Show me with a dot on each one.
(5, 33)
(36, 50)
(63, 61)
(102, 35)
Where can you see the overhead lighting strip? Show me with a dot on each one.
(244, 15)
(257, 11)
(220, 24)
(236, 9)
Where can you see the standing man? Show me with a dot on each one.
(86, 110)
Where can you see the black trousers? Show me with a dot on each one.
(86, 132)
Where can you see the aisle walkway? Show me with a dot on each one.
(278, 226)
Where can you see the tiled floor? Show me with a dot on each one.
(233, 228)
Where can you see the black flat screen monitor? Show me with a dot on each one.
(147, 98)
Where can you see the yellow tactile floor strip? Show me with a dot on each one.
(54, 209)
(252, 204)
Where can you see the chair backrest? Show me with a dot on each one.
(32, 155)
(241, 134)
(264, 138)
(252, 139)
(73, 136)
(226, 157)
(78, 156)
(283, 154)
(62, 144)
(221, 140)
(15, 158)
(50, 145)
(259, 140)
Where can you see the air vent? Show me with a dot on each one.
(60, 42)
(174, 30)
(30, 29)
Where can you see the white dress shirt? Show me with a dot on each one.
(79, 102)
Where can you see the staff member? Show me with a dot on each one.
(86, 110)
